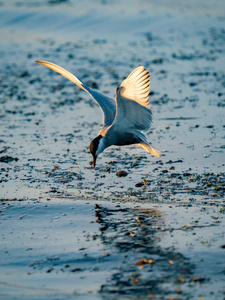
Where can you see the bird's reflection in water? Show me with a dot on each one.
(144, 268)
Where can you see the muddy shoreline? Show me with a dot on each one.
(69, 231)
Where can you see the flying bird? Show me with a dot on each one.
(123, 118)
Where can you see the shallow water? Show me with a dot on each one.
(69, 248)
(46, 174)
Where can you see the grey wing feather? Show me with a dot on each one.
(133, 108)
(131, 114)
(108, 105)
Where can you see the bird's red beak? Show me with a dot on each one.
(94, 161)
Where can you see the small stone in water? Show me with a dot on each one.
(121, 173)
(139, 184)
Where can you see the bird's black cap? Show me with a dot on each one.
(94, 145)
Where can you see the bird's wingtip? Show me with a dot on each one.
(40, 61)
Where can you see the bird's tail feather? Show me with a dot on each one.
(150, 149)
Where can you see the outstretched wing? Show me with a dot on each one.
(133, 109)
(136, 86)
(108, 105)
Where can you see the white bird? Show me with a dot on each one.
(123, 118)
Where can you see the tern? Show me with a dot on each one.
(123, 118)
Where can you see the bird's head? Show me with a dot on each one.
(96, 147)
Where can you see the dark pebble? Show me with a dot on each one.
(7, 159)
(186, 174)
(157, 61)
(49, 270)
(76, 270)
(139, 184)
(193, 83)
(174, 175)
(23, 74)
(174, 161)
(121, 173)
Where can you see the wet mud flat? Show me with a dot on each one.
(69, 231)
(68, 248)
